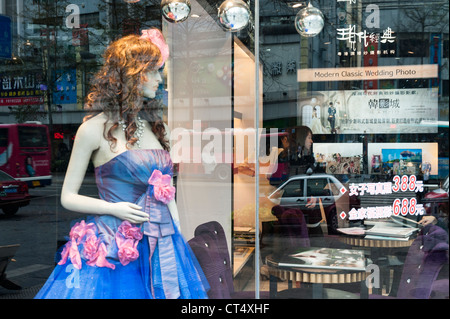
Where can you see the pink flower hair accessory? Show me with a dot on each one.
(156, 37)
(162, 190)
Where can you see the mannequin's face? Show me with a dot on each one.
(150, 86)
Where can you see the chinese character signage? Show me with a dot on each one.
(66, 87)
(358, 40)
(21, 89)
(353, 37)
(5, 38)
(371, 111)
(402, 206)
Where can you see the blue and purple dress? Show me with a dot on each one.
(109, 258)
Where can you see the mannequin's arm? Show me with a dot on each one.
(86, 142)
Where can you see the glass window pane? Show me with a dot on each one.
(318, 126)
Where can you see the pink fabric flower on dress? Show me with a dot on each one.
(127, 250)
(71, 250)
(90, 251)
(79, 230)
(163, 191)
(95, 253)
(77, 234)
(101, 258)
(156, 37)
(130, 231)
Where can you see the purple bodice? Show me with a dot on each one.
(125, 178)
(137, 176)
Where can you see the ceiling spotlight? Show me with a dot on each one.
(233, 15)
(176, 10)
(309, 21)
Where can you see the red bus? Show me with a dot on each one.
(25, 152)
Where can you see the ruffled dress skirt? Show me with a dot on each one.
(132, 281)
(107, 258)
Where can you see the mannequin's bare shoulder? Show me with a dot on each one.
(91, 131)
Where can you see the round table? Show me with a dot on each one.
(316, 277)
(377, 247)
(375, 243)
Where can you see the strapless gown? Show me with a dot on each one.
(109, 258)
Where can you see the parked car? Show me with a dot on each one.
(304, 192)
(13, 194)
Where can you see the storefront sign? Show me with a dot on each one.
(357, 40)
(21, 101)
(73, 19)
(402, 206)
(352, 37)
(5, 37)
(371, 111)
(20, 89)
(66, 87)
(368, 73)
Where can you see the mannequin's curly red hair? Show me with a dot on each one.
(117, 88)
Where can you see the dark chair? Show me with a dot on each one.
(292, 227)
(211, 249)
(426, 257)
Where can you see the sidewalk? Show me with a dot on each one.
(26, 293)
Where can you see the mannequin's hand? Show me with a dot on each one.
(128, 211)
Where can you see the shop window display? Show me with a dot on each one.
(244, 85)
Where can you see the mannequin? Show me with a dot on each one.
(129, 244)
(89, 143)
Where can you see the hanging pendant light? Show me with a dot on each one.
(233, 15)
(175, 10)
(131, 1)
(309, 21)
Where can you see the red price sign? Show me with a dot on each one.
(404, 206)
(406, 183)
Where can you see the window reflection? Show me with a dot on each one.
(372, 87)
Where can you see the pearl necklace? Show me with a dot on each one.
(139, 129)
